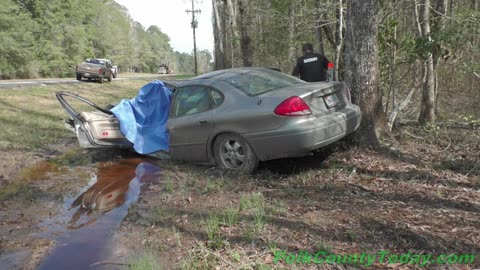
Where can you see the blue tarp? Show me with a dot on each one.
(143, 119)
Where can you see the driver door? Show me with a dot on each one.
(191, 123)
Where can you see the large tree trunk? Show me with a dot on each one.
(218, 37)
(361, 67)
(318, 28)
(475, 4)
(439, 21)
(291, 31)
(232, 34)
(338, 37)
(427, 111)
(246, 41)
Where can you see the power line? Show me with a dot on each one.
(194, 24)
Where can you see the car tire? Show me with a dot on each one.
(110, 77)
(79, 77)
(232, 152)
(100, 80)
(115, 75)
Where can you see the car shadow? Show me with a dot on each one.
(296, 165)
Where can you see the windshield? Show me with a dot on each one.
(257, 82)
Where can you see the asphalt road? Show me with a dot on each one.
(43, 82)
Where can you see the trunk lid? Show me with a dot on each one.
(322, 97)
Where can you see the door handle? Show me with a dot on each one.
(202, 122)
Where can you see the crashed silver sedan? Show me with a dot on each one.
(235, 118)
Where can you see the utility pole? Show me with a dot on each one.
(194, 25)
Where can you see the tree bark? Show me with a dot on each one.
(427, 111)
(230, 16)
(218, 37)
(245, 39)
(291, 32)
(338, 38)
(318, 28)
(439, 21)
(361, 67)
(328, 33)
(475, 4)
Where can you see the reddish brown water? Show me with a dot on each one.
(84, 230)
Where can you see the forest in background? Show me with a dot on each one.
(428, 51)
(48, 38)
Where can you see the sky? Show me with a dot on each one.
(171, 18)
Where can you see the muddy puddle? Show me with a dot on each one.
(84, 228)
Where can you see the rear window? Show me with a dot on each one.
(95, 61)
(257, 82)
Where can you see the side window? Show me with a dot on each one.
(217, 98)
(190, 100)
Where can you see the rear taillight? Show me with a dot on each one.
(100, 71)
(293, 106)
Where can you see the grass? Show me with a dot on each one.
(72, 157)
(231, 216)
(32, 118)
(253, 200)
(214, 185)
(178, 236)
(169, 186)
(317, 209)
(9, 190)
(212, 228)
(199, 258)
(146, 261)
(25, 177)
(235, 256)
(278, 207)
(259, 218)
(156, 215)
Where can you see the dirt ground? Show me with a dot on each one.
(420, 194)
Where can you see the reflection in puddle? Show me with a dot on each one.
(84, 232)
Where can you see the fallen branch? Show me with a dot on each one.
(416, 85)
(413, 136)
(448, 146)
(400, 107)
(469, 172)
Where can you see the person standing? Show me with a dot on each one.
(311, 67)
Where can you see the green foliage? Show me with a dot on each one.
(16, 45)
(48, 38)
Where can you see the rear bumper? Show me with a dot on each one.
(305, 136)
(89, 75)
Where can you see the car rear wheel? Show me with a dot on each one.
(234, 153)
(79, 77)
(100, 80)
(110, 77)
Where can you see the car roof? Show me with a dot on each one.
(211, 77)
(225, 73)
